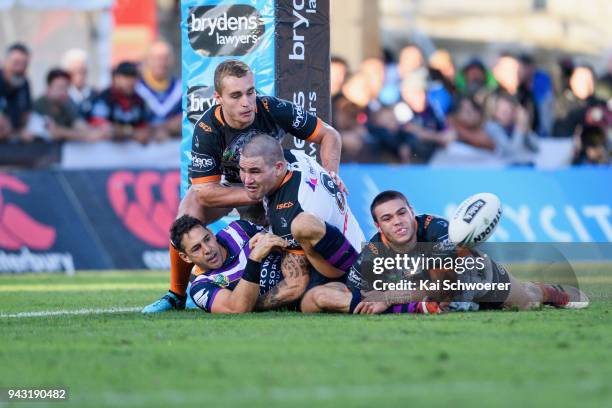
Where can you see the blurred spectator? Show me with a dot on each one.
(467, 120)
(442, 89)
(337, 77)
(509, 129)
(475, 80)
(161, 92)
(350, 120)
(118, 111)
(538, 83)
(374, 71)
(424, 127)
(592, 147)
(55, 117)
(75, 62)
(506, 71)
(575, 102)
(357, 90)
(15, 99)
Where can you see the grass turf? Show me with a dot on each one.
(537, 358)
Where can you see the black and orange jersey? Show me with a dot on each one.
(216, 147)
(430, 228)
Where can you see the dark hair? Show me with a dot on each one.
(385, 196)
(335, 59)
(180, 227)
(456, 106)
(126, 68)
(232, 67)
(20, 47)
(55, 73)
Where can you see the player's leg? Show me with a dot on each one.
(332, 297)
(529, 295)
(326, 248)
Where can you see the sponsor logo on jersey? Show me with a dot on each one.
(284, 206)
(299, 117)
(223, 30)
(205, 127)
(221, 280)
(472, 210)
(202, 162)
(312, 183)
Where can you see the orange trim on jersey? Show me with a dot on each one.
(207, 179)
(286, 178)
(295, 251)
(197, 271)
(316, 131)
(219, 116)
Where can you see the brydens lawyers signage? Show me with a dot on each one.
(285, 42)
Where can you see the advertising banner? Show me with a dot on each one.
(211, 32)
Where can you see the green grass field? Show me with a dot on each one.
(539, 358)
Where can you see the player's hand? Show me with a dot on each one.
(336, 178)
(262, 244)
(370, 308)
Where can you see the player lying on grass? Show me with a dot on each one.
(240, 269)
(398, 232)
(304, 205)
(218, 138)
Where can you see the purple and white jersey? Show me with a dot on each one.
(235, 238)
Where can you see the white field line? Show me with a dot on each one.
(71, 312)
(81, 287)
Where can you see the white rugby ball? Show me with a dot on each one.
(475, 219)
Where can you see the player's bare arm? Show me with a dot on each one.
(293, 285)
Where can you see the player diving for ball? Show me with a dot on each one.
(399, 229)
(218, 138)
(240, 269)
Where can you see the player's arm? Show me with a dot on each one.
(306, 126)
(331, 146)
(293, 285)
(205, 171)
(213, 194)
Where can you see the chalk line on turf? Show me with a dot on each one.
(46, 313)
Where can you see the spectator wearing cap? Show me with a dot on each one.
(54, 116)
(119, 112)
(161, 92)
(75, 62)
(15, 99)
(475, 80)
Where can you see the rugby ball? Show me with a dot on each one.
(475, 219)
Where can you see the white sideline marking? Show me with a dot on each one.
(71, 312)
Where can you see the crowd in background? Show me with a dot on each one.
(406, 109)
(143, 102)
(401, 109)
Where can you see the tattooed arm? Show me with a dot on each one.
(293, 285)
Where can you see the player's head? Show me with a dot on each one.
(196, 243)
(235, 92)
(393, 217)
(262, 166)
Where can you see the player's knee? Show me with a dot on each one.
(306, 227)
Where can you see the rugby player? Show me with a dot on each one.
(235, 270)
(398, 232)
(303, 205)
(218, 139)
